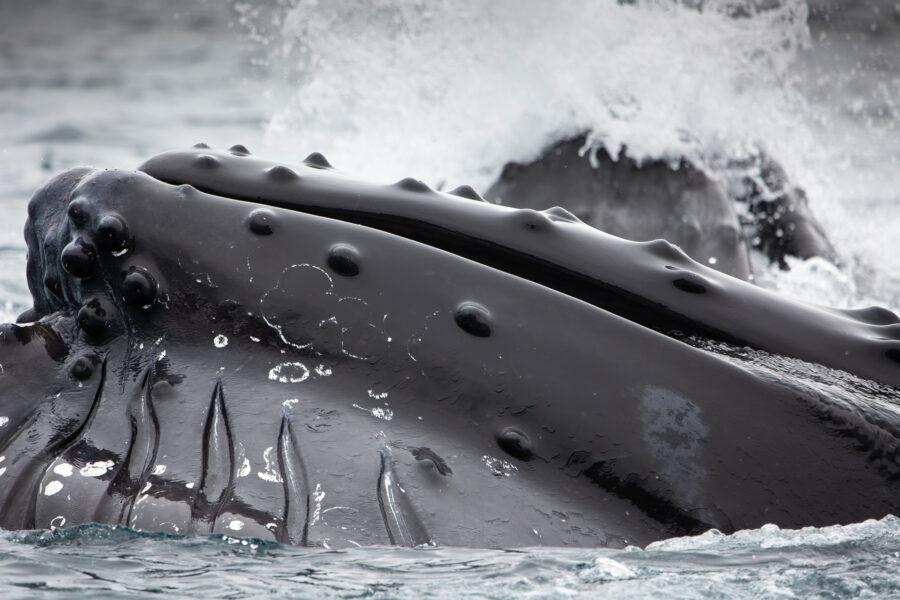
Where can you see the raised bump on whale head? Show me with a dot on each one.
(317, 161)
(611, 273)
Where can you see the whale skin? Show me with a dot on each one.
(223, 344)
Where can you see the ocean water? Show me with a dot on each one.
(855, 561)
(448, 91)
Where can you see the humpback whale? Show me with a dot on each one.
(220, 343)
(714, 224)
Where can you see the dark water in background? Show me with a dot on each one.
(448, 91)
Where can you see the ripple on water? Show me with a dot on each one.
(860, 560)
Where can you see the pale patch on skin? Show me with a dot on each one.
(63, 469)
(289, 372)
(52, 487)
(385, 414)
(674, 430)
(498, 467)
(271, 472)
(244, 469)
(236, 525)
(318, 496)
(96, 469)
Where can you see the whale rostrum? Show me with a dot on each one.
(224, 344)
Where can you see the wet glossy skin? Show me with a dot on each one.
(652, 283)
(785, 225)
(200, 363)
(676, 202)
(655, 200)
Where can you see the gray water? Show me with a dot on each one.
(856, 561)
(448, 91)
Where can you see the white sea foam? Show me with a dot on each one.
(454, 89)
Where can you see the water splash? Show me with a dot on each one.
(452, 90)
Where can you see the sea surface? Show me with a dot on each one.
(448, 91)
(98, 561)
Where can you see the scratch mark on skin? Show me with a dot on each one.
(289, 372)
(328, 510)
(385, 414)
(278, 328)
(317, 496)
(225, 377)
(419, 336)
(344, 330)
(280, 332)
(244, 469)
(270, 473)
(142, 495)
